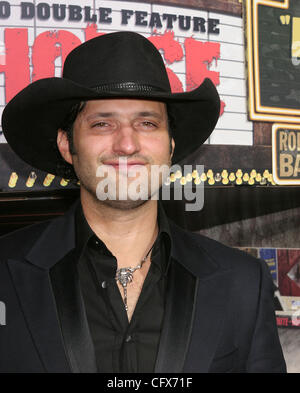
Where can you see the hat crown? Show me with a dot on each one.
(117, 61)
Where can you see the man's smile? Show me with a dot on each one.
(124, 163)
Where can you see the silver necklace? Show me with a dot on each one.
(125, 276)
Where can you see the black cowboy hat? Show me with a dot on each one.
(122, 64)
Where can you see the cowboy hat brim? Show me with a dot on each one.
(31, 119)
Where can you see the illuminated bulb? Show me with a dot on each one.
(224, 174)
(218, 177)
(172, 177)
(232, 176)
(183, 181)
(13, 180)
(225, 180)
(178, 174)
(246, 176)
(48, 180)
(263, 181)
(195, 174)
(64, 182)
(210, 173)
(203, 177)
(31, 179)
(239, 173)
(189, 177)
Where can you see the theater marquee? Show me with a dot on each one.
(273, 51)
(37, 35)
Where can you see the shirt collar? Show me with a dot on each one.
(84, 233)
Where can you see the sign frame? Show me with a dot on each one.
(277, 180)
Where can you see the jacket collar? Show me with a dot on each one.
(199, 262)
(83, 234)
(57, 240)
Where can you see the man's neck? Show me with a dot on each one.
(127, 233)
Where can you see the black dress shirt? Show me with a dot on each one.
(121, 346)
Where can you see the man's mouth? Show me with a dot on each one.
(124, 164)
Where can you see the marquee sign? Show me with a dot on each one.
(273, 51)
(286, 154)
(194, 44)
(36, 36)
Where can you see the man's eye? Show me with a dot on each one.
(148, 124)
(101, 124)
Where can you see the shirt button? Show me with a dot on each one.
(103, 284)
(128, 339)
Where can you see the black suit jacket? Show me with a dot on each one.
(219, 313)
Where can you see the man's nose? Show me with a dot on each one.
(126, 141)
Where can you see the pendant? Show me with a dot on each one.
(124, 276)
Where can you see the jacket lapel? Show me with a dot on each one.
(178, 321)
(48, 289)
(194, 291)
(70, 307)
(211, 309)
(36, 299)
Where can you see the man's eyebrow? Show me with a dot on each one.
(149, 114)
(138, 114)
(101, 114)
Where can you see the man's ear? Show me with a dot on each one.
(63, 145)
(172, 147)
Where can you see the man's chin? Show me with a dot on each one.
(124, 204)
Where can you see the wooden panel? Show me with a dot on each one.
(233, 7)
(230, 156)
(262, 133)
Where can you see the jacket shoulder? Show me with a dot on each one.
(18, 243)
(15, 244)
(217, 253)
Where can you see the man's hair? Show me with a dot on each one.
(63, 168)
(66, 170)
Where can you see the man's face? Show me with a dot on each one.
(123, 138)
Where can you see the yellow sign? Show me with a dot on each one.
(273, 60)
(286, 154)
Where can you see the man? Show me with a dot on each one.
(114, 285)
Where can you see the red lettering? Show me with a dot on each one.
(91, 31)
(47, 47)
(16, 61)
(282, 321)
(50, 45)
(172, 51)
(198, 56)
